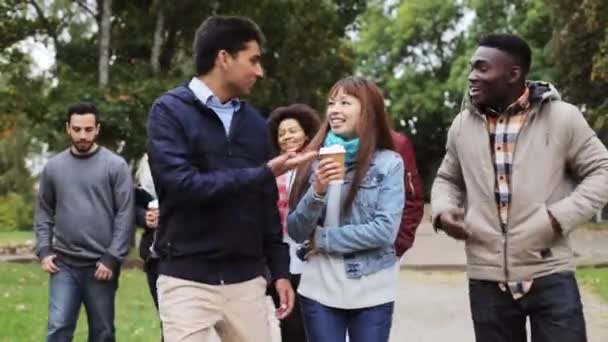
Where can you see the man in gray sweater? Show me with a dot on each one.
(84, 222)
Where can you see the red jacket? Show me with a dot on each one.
(414, 195)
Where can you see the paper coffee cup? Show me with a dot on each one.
(335, 152)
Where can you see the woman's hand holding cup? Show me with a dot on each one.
(328, 170)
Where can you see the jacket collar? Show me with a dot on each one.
(206, 96)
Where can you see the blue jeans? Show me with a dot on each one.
(553, 305)
(72, 286)
(326, 324)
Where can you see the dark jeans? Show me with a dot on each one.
(68, 289)
(325, 324)
(292, 328)
(553, 305)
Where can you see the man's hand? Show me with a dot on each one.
(452, 223)
(288, 161)
(557, 228)
(103, 273)
(152, 218)
(286, 296)
(48, 264)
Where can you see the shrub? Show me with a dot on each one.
(16, 213)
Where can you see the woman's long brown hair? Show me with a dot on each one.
(373, 131)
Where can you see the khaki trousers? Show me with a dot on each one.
(195, 312)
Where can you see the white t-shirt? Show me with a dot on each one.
(295, 264)
(324, 280)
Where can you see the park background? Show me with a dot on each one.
(122, 54)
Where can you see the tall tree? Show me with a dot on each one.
(105, 26)
(159, 30)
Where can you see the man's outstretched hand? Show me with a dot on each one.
(289, 161)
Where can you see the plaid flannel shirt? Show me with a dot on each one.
(504, 129)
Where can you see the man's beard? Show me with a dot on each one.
(83, 146)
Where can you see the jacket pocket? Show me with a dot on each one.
(485, 244)
(369, 190)
(369, 262)
(532, 237)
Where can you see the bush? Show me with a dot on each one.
(16, 213)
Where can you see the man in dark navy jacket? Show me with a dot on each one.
(219, 226)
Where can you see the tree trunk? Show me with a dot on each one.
(169, 48)
(158, 40)
(104, 43)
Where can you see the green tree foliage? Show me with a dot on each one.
(150, 52)
(307, 50)
(418, 52)
(580, 50)
(409, 49)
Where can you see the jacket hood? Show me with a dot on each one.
(541, 91)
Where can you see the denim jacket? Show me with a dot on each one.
(366, 235)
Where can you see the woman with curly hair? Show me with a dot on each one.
(291, 129)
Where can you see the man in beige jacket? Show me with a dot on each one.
(521, 171)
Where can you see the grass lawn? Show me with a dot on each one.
(24, 301)
(15, 238)
(595, 226)
(596, 279)
(20, 237)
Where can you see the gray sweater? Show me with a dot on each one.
(85, 209)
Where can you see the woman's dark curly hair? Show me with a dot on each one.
(307, 117)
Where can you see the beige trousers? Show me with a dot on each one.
(195, 312)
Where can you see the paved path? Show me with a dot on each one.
(433, 306)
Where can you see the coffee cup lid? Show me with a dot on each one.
(332, 149)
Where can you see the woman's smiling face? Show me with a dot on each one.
(343, 112)
(291, 136)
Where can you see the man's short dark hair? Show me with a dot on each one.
(229, 33)
(511, 44)
(82, 108)
(303, 114)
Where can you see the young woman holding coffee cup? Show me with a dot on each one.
(291, 129)
(349, 281)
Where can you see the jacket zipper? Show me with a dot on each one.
(506, 228)
(503, 228)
